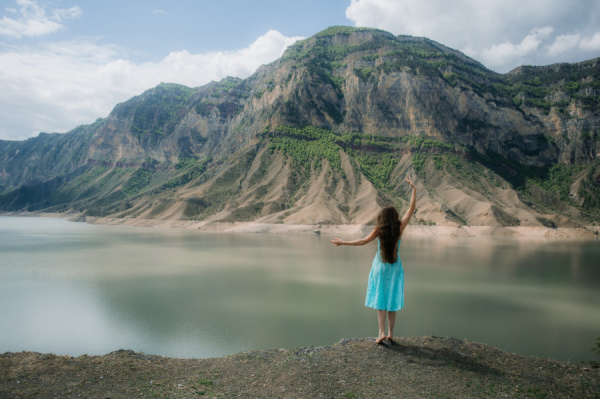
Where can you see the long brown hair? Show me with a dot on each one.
(388, 223)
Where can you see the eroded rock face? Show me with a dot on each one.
(574, 134)
(347, 81)
(399, 100)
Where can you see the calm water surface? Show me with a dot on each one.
(74, 288)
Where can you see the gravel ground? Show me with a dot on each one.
(424, 367)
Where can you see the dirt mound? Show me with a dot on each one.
(353, 368)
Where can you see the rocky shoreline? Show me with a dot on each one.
(543, 233)
(422, 367)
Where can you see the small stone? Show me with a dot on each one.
(317, 231)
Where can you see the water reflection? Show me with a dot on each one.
(76, 288)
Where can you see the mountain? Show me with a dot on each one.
(327, 134)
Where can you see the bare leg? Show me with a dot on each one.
(381, 321)
(391, 321)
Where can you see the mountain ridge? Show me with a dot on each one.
(326, 134)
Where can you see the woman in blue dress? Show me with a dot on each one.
(385, 291)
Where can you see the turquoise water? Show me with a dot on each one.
(74, 288)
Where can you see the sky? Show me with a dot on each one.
(64, 63)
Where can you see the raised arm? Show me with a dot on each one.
(362, 241)
(413, 203)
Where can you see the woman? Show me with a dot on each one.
(385, 291)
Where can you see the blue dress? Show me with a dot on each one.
(386, 283)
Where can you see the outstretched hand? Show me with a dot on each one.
(337, 242)
(409, 180)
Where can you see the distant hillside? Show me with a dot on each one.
(327, 134)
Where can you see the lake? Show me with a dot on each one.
(74, 288)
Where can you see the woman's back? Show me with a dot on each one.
(397, 252)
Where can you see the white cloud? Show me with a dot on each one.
(590, 43)
(568, 42)
(11, 9)
(158, 11)
(34, 21)
(479, 27)
(470, 51)
(68, 13)
(501, 54)
(563, 43)
(69, 83)
(459, 23)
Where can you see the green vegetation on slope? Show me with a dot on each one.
(137, 182)
(306, 147)
(158, 110)
(589, 190)
(536, 83)
(555, 180)
(376, 168)
(376, 156)
(322, 53)
(344, 30)
(191, 167)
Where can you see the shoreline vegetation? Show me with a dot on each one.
(580, 233)
(431, 367)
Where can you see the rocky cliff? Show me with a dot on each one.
(327, 134)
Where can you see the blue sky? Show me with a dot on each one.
(68, 62)
(155, 28)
